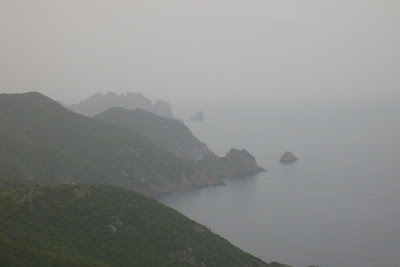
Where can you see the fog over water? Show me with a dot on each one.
(336, 206)
(197, 52)
(317, 78)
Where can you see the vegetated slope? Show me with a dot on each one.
(175, 137)
(105, 226)
(14, 183)
(169, 134)
(43, 142)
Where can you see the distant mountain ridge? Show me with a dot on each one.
(170, 134)
(99, 103)
(86, 221)
(45, 143)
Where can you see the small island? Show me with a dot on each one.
(198, 117)
(288, 157)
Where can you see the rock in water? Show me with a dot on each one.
(288, 157)
(198, 117)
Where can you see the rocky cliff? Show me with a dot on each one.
(163, 108)
(45, 143)
(235, 163)
(210, 170)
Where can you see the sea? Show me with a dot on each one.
(338, 205)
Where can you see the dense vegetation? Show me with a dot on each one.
(9, 184)
(43, 142)
(96, 225)
(105, 225)
(169, 134)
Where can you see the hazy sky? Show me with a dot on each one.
(282, 51)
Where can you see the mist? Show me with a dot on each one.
(190, 52)
(318, 78)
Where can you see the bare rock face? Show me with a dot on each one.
(163, 108)
(235, 163)
(199, 116)
(242, 162)
(287, 158)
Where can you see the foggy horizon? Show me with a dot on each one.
(187, 52)
(320, 79)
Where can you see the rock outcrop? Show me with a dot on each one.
(198, 117)
(58, 146)
(287, 158)
(235, 163)
(163, 108)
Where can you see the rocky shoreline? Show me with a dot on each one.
(210, 171)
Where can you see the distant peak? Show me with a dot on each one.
(34, 93)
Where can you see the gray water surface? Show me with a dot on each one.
(339, 205)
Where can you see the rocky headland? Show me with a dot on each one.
(210, 170)
(58, 146)
(235, 163)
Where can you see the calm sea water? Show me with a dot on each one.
(339, 205)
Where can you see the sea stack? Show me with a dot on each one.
(198, 117)
(287, 158)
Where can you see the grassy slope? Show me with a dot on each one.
(74, 225)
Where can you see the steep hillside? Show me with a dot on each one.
(43, 142)
(83, 225)
(169, 134)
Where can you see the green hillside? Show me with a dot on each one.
(105, 226)
(169, 134)
(98, 225)
(43, 142)
(14, 183)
